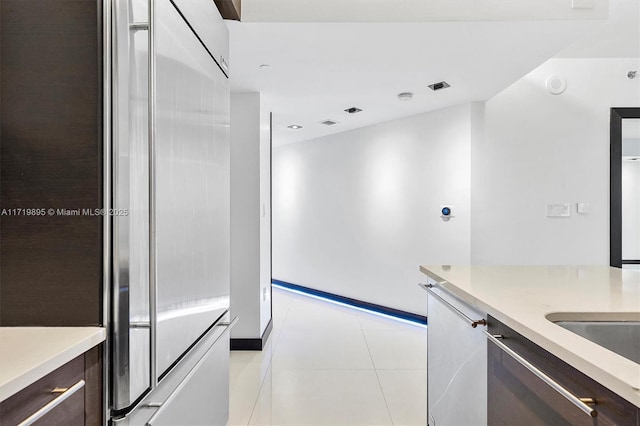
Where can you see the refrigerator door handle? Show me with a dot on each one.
(153, 297)
(132, 321)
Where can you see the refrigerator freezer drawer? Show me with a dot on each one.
(195, 392)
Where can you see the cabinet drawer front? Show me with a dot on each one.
(31, 399)
(517, 395)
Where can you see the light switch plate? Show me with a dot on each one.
(559, 210)
(582, 208)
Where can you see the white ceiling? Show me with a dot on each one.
(616, 37)
(319, 69)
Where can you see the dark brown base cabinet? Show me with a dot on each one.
(518, 397)
(82, 407)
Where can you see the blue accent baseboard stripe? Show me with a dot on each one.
(407, 316)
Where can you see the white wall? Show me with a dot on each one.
(541, 148)
(265, 217)
(356, 213)
(249, 246)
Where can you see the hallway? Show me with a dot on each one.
(326, 364)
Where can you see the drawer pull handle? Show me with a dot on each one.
(139, 26)
(581, 403)
(473, 323)
(65, 393)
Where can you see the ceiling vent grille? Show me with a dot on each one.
(438, 86)
(352, 110)
(328, 122)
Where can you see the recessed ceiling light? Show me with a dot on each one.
(294, 127)
(328, 122)
(405, 96)
(438, 86)
(352, 110)
(265, 66)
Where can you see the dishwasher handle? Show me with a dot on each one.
(473, 323)
(581, 403)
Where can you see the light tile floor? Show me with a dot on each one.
(330, 365)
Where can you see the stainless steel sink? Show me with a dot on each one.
(621, 337)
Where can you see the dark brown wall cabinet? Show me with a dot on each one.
(82, 407)
(50, 162)
(229, 9)
(518, 397)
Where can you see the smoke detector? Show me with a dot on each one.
(438, 86)
(352, 110)
(328, 122)
(405, 96)
(556, 84)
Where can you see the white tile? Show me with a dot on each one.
(318, 369)
(247, 370)
(321, 397)
(281, 301)
(274, 337)
(376, 322)
(312, 314)
(405, 392)
(244, 386)
(318, 349)
(240, 360)
(398, 349)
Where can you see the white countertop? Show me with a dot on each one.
(522, 296)
(30, 353)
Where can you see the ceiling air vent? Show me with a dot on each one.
(328, 122)
(438, 86)
(352, 110)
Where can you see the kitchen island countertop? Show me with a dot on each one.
(522, 296)
(30, 353)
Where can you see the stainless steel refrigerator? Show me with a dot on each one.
(170, 182)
